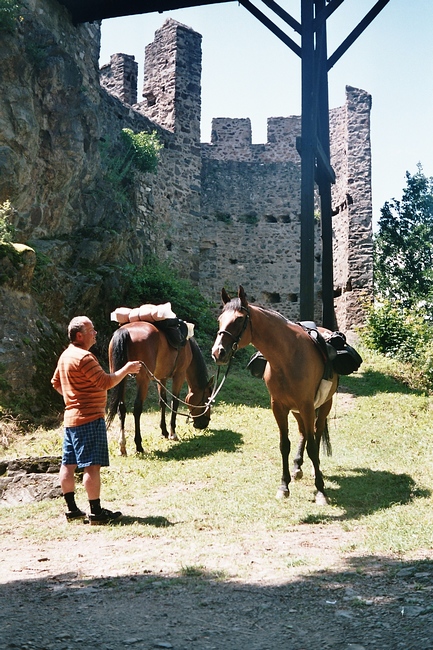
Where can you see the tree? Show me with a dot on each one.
(403, 257)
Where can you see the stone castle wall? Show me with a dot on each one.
(246, 229)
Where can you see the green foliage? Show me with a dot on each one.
(9, 15)
(156, 283)
(250, 218)
(138, 151)
(142, 150)
(406, 335)
(6, 227)
(225, 217)
(403, 257)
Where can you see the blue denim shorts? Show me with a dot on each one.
(86, 444)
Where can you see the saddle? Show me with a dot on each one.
(338, 355)
(175, 330)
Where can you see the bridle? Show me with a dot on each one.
(236, 339)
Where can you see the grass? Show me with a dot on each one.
(222, 482)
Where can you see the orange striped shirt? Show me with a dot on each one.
(83, 384)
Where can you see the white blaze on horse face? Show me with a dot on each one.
(217, 347)
(231, 328)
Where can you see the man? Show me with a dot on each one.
(83, 383)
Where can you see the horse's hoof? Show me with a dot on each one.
(321, 499)
(297, 474)
(122, 451)
(173, 437)
(282, 493)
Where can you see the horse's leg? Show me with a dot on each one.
(175, 388)
(309, 417)
(281, 416)
(162, 402)
(142, 388)
(121, 410)
(174, 407)
(297, 472)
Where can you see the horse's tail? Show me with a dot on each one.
(118, 358)
(326, 440)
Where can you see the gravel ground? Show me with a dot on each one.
(105, 593)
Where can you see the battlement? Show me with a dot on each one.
(249, 191)
(119, 77)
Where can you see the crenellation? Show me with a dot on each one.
(119, 77)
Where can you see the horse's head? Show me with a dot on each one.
(199, 405)
(233, 323)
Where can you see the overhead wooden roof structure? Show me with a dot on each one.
(87, 11)
(313, 146)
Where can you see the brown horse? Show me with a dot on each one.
(145, 342)
(292, 375)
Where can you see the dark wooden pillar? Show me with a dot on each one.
(307, 150)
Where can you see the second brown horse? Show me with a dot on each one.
(144, 342)
(293, 376)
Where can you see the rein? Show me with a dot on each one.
(205, 407)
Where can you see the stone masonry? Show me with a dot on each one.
(247, 223)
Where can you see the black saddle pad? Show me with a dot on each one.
(175, 330)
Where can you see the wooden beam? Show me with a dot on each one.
(365, 22)
(87, 11)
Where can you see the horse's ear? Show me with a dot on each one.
(225, 296)
(211, 381)
(242, 296)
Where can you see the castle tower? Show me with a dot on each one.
(119, 77)
(172, 80)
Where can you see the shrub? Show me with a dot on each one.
(142, 150)
(6, 227)
(155, 283)
(9, 15)
(134, 151)
(404, 335)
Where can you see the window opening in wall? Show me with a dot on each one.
(151, 99)
(293, 297)
(270, 219)
(272, 297)
(233, 261)
(286, 218)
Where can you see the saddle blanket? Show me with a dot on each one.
(322, 395)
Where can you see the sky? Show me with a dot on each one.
(247, 71)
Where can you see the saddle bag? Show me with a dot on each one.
(343, 357)
(347, 360)
(257, 365)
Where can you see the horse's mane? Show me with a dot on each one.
(236, 305)
(199, 363)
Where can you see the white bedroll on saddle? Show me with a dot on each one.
(150, 314)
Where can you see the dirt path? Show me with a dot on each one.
(96, 590)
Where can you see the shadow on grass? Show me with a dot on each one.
(366, 491)
(156, 522)
(204, 444)
(372, 382)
